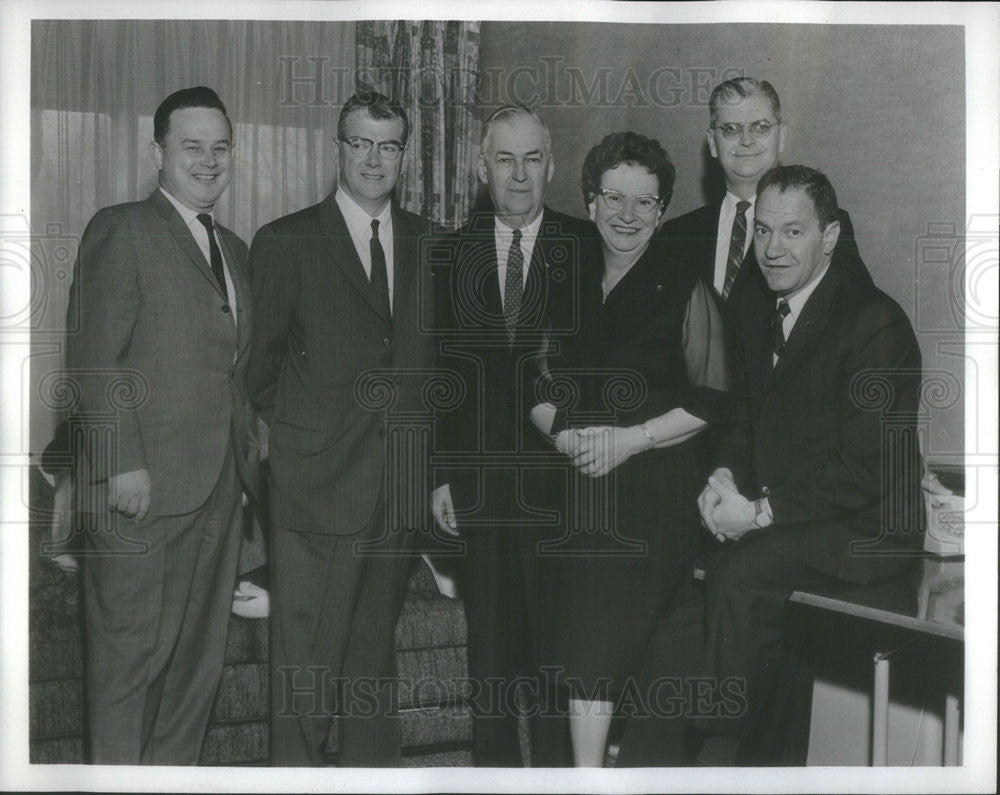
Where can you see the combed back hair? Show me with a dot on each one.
(635, 150)
(197, 97)
(813, 182)
(508, 114)
(739, 88)
(377, 106)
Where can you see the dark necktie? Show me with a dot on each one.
(215, 256)
(379, 277)
(736, 241)
(513, 288)
(779, 327)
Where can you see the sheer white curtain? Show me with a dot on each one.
(94, 88)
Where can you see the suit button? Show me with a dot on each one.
(225, 309)
(386, 342)
(764, 491)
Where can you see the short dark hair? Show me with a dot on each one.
(197, 97)
(739, 88)
(633, 149)
(377, 106)
(813, 182)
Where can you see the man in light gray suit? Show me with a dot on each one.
(158, 345)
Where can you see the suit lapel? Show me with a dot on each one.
(708, 242)
(536, 286)
(404, 259)
(344, 255)
(183, 237)
(813, 319)
(478, 273)
(241, 285)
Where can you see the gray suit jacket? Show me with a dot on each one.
(329, 368)
(155, 356)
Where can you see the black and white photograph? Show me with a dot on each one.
(499, 397)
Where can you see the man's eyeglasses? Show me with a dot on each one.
(390, 150)
(617, 202)
(757, 129)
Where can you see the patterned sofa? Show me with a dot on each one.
(430, 649)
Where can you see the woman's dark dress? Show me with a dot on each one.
(655, 343)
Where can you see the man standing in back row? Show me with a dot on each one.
(746, 135)
(341, 296)
(160, 339)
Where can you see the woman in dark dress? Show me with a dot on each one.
(633, 390)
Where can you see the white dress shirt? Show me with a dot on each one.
(359, 224)
(725, 232)
(504, 236)
(190, 218)
(797, 302)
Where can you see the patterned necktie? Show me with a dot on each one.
(513, 287)
(379, 275)
(736, 241)
(215, 256)
(779, 327)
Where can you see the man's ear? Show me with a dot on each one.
(481, 167)
(782, 134)
(710, 137)
(830, 236)
(592, 209)
(156, 152)
(551, 170)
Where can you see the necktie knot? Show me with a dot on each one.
(742, 206)
(206, 221)
(517, 237)
(375, 227)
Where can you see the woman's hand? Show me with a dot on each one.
(597, 450)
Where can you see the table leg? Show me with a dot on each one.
(951, 730)
(880, 712)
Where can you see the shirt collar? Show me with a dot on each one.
(187, 213)
(732, 200)
(354, 214)
(798, 301)
(528, 232)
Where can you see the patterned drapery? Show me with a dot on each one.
(432, 70)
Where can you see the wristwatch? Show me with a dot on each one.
(762, 517)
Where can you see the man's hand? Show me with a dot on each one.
(733, 514)
(709, 498)
(443, 510)
(597, 450)
(128, 493)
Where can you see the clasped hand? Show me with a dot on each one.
(724, 511)
(597, 450)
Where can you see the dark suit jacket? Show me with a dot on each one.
(828, 434)
(151, 338)
(318, 330)
(490, 425)
(692, 238)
